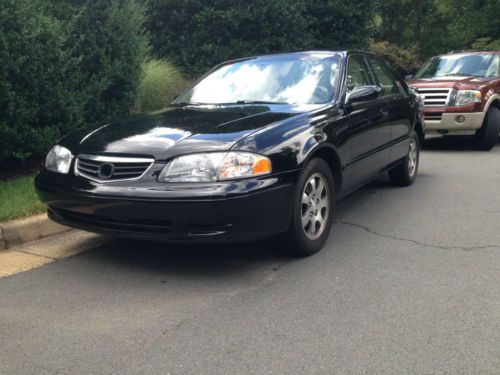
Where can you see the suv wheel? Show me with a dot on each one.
(487, 136)
(312, 209)
(405, 173)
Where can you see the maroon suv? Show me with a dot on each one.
(461, 93)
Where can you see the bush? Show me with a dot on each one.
(160, 82)
(57, 73)
(198, 34)
(37, 101)
(404, 61)
(109, 45)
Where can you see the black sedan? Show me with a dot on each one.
(257, 147)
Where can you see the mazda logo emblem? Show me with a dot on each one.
(105, 171)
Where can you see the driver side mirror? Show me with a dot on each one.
(363, 93)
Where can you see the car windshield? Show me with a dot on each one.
(286, 79)
(476, 65)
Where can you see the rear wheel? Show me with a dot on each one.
(312, 209)
(405, 173)
(487, 136)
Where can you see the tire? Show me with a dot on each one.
(405, 173)
(313, 207)
(487, 136)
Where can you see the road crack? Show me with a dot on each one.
(416, 242)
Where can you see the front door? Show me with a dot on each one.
(400, 111)
(369, 125)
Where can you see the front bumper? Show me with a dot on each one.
(255, 209)
(453, 123)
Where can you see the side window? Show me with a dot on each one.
(357, 73)
(386, 78)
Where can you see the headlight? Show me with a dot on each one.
(216, 166)
(464, 97)
(58, 159)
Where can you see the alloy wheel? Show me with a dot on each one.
(315, 206)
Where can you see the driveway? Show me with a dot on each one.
(409, 282)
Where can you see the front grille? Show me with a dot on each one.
(111, 169)
(434, 97)
(115, 223)
(433, 116)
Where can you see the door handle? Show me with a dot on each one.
(384, 111)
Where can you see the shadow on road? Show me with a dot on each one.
(451, 143)
(198, 261)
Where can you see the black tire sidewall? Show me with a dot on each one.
(400, 175)
(487, 135)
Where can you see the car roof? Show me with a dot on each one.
(342, 53)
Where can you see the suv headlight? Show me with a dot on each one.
(59, 159)
(216, 166)
(464, 97)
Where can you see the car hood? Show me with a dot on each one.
(176, 131)
(461, 82)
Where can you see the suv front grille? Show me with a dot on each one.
(111, 169)
(434, 97)
(433, 116)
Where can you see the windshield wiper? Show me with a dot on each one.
(247, 101)
(184, 104)
(459, 75)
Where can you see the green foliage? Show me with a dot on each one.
(160, 82)
(404, 61)
(486, 44)
(109, 45)
(37, 102)
(339, 24)
(199, 34)
(437, 26)
(63, 63)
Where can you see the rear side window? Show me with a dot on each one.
(386, 78)
(358, 73)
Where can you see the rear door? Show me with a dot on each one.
(369, 126)
(399, 106)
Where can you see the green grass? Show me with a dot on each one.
(18, 198)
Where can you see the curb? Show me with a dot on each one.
(21, 231)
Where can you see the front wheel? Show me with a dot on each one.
(312, 209)
(487, 136)
(405, 173)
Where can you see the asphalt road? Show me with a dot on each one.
(409, 282)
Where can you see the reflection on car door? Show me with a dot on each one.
(369, 125)
(399, 105)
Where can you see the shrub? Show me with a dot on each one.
(160, 82)
(198, 34)
(201, 33)
(404, 61)
(109, 44)
(37, 101)
(57, 73)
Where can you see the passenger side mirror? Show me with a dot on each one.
(408, 77)
(363, 93)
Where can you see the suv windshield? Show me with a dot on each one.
(286, 79)
(476, 65)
